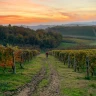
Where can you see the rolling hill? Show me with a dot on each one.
(76, 31)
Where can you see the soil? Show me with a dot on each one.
(32, 88)
(53, 88)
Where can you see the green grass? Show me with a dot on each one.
(43, 83)
(10, 82)
(73, 83)
(66, 45)
(78, 40)
(46, 80)
(93, 43)
(83, 31)
(69, 42)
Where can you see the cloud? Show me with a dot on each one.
(29, 11)
(17, 4)
(16, 19)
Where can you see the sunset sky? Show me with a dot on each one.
(46, 11)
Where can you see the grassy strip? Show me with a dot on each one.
(43, 83)
(10, 82)
(72, 83)
(46, 80)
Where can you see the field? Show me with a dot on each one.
(76, 31)
(74, 84)
(76, 35)
(69, 42)
(66, 45)
(52, 78)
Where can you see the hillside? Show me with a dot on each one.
(75, 31)
(35, 27)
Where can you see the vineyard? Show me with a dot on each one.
(22, 74)
(10, 56)
(79, 60)
(47, 76)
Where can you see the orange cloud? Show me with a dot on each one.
(17, 19)
(26, 11)
(14, 19)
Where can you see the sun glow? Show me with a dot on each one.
(40, 11)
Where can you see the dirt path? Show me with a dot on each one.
(47, 82)
(53, 88)
(29, 88)
(32, 86)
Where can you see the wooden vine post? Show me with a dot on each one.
(87, 67)
(75, 66)
(21, 63)
(68, 61)
(64, 60)
(14, 66)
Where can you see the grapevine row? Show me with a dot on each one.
(79, 60)
(9, 57)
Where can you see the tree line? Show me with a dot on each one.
(18, 35)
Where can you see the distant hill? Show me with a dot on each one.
(75, 31)
(91, 23)
(71, 29)
(81, 24)
(39, 27)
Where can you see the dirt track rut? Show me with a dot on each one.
(53, 88)
(31, 89)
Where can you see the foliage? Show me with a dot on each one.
(9, 56)
(80, 60)
(21, 36)
(11, 82)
